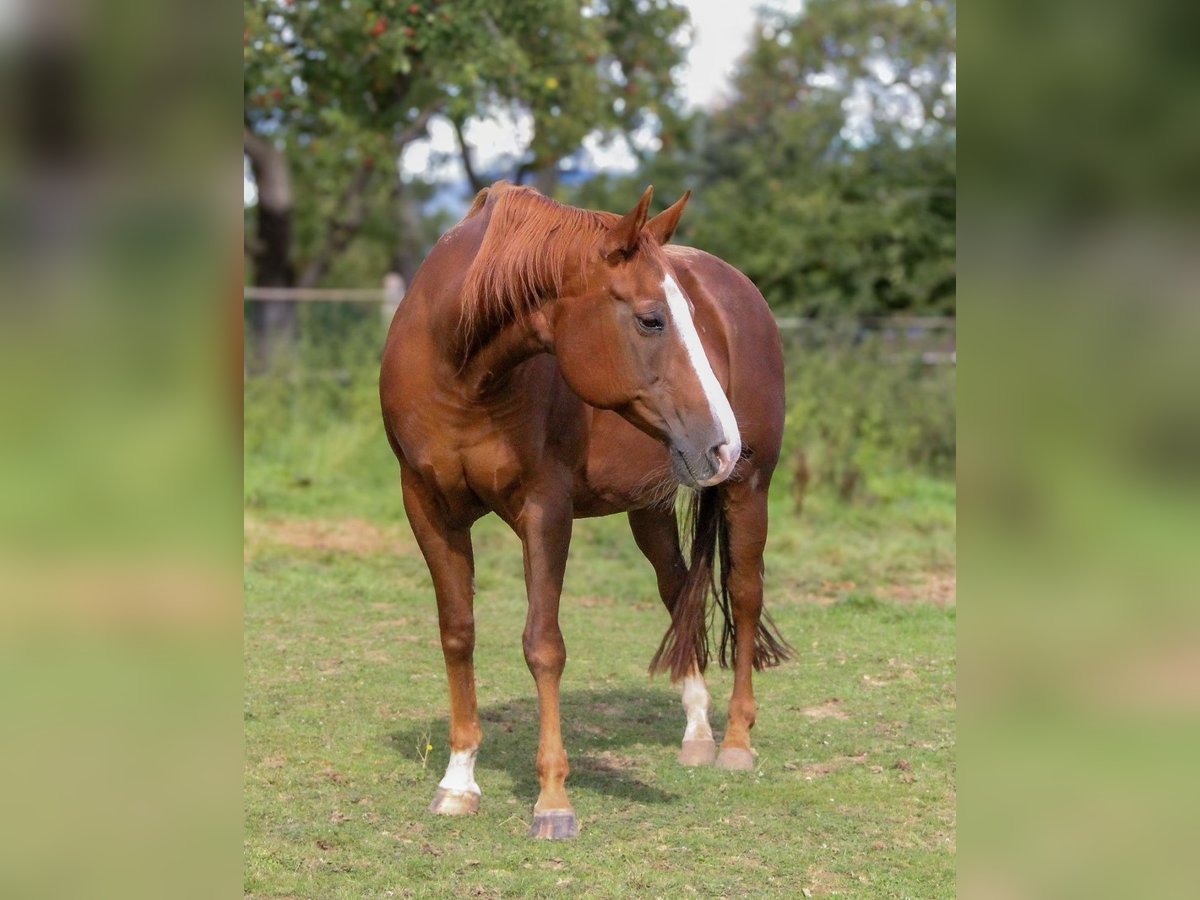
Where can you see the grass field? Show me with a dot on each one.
(854, 794)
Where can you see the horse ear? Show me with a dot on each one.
(623, 239)
(662, 227)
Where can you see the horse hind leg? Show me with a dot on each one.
(699, 748)
(448, 554)
(656, 533)
(746, 512)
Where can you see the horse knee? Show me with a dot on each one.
(458, 639)
(545, 652)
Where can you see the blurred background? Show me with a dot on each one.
(820, 162)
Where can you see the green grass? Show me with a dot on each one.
(854, 794)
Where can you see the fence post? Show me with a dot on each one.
(393, 293)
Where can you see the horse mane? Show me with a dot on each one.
(531, 245)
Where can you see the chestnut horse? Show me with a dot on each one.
(551, 363)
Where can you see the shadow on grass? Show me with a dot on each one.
(597, 726)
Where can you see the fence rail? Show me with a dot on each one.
(392, 293)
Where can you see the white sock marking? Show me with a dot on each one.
(460, 773)
(718, 403)
(695, 704)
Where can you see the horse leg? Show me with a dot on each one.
(656, 533)
(746, 511)
(451, 562)
(546, 535)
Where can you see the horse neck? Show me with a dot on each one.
(505, 349)
(516, 342)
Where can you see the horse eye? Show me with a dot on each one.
(651, 323)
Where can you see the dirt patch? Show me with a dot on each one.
(811, 771)
(822, 883)
(594, 602)
(828, 767)
(607, 709)
(356, 537)
(331, 774)
(830, 709)
(826, 594)
(607, 761)
(938, 588)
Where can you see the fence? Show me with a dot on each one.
(933, 337)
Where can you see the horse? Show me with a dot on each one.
(550, 363)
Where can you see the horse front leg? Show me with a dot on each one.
(546, 535)
(449, 555)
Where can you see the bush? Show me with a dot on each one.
(862, 406)
(313, 436)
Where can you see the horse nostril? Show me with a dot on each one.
(725, 455)
(719, 454)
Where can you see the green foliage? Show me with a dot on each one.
(313, 435)
(867, 420)
(864, 408)
(339, 86)
(833, 168)
(829, 179)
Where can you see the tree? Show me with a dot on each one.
(829, 178)
(333, 93)
(834, 164)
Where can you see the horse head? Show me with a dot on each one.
(626, 340)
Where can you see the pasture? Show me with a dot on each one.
(346, 704)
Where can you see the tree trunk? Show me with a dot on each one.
(273, 323)
(545, 179)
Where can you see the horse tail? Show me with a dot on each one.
(692, 615)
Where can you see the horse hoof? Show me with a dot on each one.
(554, 825)
(735, 759)
(454, 803)
(698, 753)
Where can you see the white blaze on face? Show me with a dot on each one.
(460, 773)
(695, 704)
(718, 403)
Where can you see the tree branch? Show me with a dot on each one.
(351, 208)
(477, 184)
(522, 170)
(417, 127)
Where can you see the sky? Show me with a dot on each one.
(721, 31)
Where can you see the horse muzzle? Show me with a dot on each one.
(700, 469)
